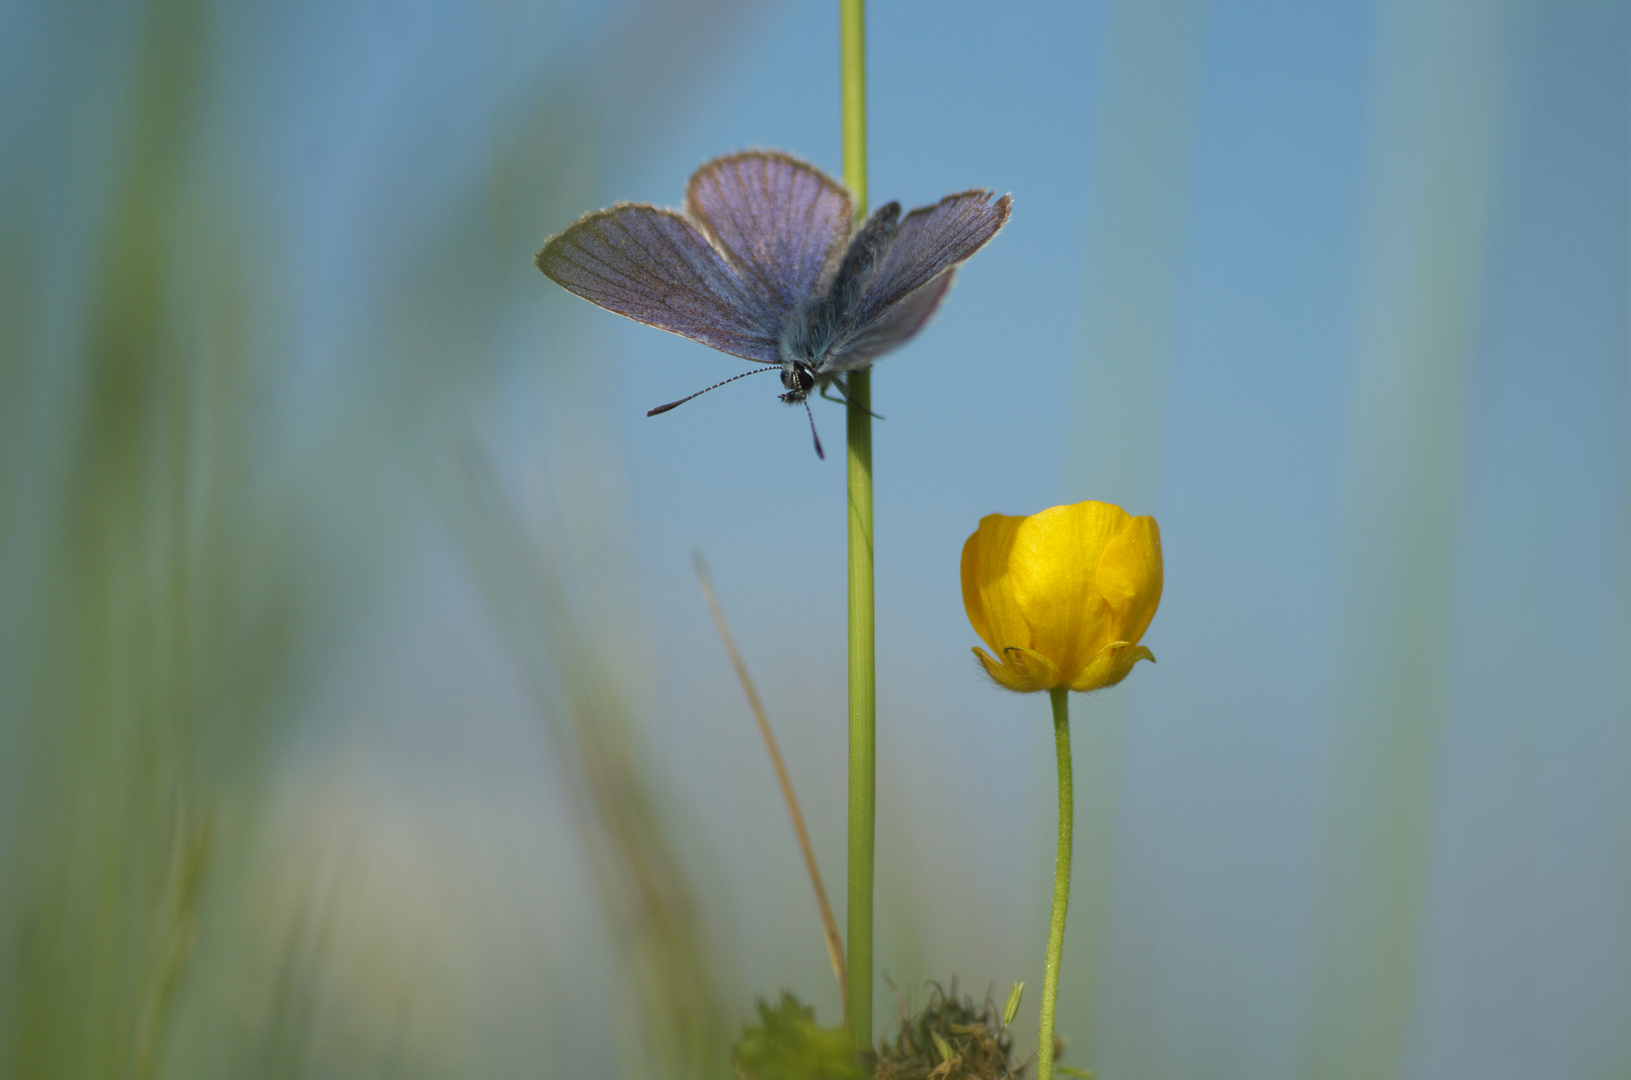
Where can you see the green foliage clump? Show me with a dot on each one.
(951, 1039)
(787, 1044)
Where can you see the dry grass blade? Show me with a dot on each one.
(829, 925)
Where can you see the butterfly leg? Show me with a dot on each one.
(841, 399)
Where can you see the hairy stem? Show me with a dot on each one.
(1061, 883)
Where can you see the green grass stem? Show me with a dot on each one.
(862, 632)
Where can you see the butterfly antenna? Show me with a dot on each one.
(813, 434)
(705, 389)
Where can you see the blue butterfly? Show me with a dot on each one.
(764, 265)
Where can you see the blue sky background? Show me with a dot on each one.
(1337, 292)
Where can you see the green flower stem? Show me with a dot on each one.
(862, 632)
(1061, 883)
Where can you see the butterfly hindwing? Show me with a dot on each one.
(894, 328)
(783, 222)
(655, 267)
(928, 241)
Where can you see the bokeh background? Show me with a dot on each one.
(359, 713)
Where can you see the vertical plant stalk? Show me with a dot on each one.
(1061, 882)
(829, 925)
(862, 645)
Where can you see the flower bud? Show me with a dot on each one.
(1062, 597)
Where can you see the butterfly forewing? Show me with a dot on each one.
(781, 221)
(655, 267)
(928, 241)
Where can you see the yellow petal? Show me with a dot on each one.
(1053, 566)
(1129, 575)
(987, 587)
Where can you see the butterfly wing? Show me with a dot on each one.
(915, 272)
(781, 221)
(893, 328)
(655, 267)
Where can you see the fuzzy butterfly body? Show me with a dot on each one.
(763, 265)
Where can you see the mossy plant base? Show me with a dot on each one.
(787, 1044)
(951, 1038)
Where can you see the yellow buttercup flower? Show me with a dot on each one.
(1063, 596)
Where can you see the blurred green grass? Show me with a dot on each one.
(168, 598)
(155, 613)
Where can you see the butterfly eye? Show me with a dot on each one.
(799, 380)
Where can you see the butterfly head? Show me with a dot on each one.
(799, 379)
